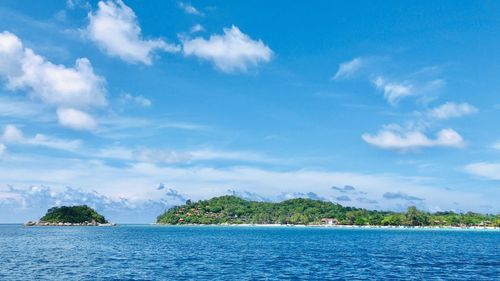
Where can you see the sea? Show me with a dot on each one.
(149, 252)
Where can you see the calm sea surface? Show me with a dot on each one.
(245, 253)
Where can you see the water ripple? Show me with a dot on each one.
(245, 253)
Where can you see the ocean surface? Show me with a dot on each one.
(134, 252)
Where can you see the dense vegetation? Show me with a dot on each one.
(73, 214)
(235, 210)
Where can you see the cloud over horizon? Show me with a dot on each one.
(32, 203)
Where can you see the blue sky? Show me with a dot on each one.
(132, 107)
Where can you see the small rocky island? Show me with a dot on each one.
(81, 215)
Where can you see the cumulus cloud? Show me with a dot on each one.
(401, 196)
(389, 138)
(14, 135)
(76, 119)
(487, 170)
(57, 85)
(452, 110)
(393, 91)
(115, 29)
(31, 203)
(233, 51)
(349, 68)
(138, 181)
(189, 9)
(53, 84)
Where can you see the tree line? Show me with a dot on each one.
(235, 210)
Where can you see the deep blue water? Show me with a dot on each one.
(245, 253)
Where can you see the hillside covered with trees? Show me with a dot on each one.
(235, 210)
(73, 214)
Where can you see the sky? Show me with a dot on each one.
(132, 107)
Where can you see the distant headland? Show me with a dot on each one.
(81, 215)
(300, 211)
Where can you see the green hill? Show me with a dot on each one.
(235, 210)
(72, 214)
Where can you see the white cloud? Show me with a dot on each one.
(138, 181)
(3, 148)
(233, 51)
(347, 69)
(189, 9)
(452, 110)
(393, 91)
(76, 119)
(196, 28)
(389, 138)
(12, 134)
(115, 29)
(30, 203)
(486, 170)
(53, 84)
(139, 100)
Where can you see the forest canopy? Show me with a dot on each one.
(73, 214)
(235, 210)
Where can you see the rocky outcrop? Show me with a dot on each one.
(44, 223)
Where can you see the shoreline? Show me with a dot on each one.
(40, 223)
(400, 227)
(367, 227)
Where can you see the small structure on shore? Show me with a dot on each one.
(485, 224)
(329, 221)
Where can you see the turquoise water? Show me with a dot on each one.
(245, 253)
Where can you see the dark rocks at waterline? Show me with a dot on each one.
(44, 223)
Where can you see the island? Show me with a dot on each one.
(81, 215)
(301, 211)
